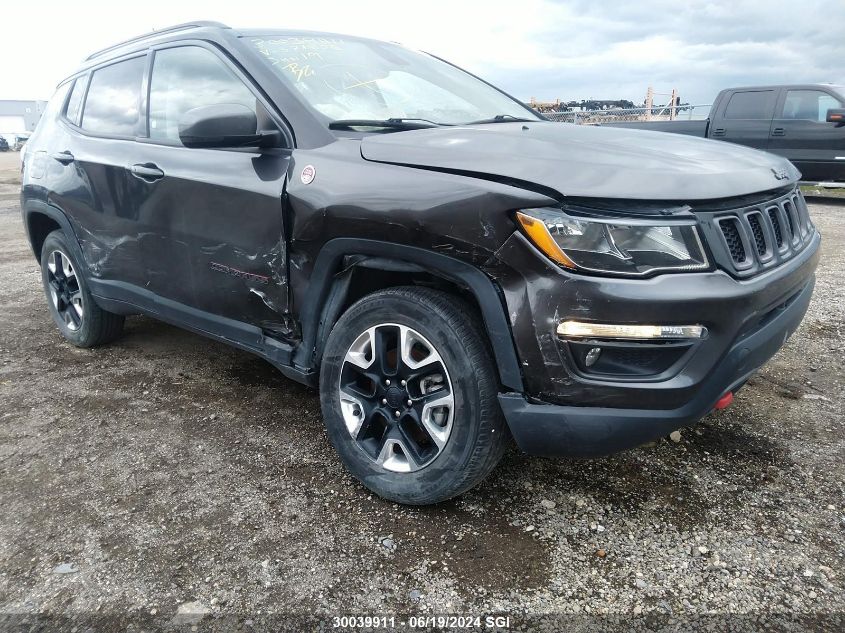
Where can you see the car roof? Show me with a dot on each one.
(779, 86)
(201, 29)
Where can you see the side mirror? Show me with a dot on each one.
(836, 115)
(224, 125)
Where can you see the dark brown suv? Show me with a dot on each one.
(448, 268)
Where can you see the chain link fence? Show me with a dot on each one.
(615, 115)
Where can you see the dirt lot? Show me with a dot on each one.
(166, 475)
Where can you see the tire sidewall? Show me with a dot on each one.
(436, 478)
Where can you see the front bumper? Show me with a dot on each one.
(554, 430)
(566, 412)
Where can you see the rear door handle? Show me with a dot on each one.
(778, 131)
(146, 171)
(65, 157)
(719, 131)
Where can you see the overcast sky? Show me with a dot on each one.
(574, 49)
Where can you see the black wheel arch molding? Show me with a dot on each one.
(31, 209)
(327, 293)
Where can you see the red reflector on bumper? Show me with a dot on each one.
(724, 401)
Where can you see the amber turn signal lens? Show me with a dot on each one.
(538, 233)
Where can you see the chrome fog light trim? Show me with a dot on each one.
(578, 329)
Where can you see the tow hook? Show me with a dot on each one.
(724, 401)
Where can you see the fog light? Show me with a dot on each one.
(578, 329)
(592, 356)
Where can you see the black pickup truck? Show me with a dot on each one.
(804, 123)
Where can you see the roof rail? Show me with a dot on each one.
(168, 29)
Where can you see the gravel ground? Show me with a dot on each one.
(175, 481)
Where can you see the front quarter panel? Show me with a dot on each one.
(461, 217)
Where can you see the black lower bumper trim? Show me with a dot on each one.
(557, 430)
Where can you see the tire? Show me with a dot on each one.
(428, 439)
(80, 320)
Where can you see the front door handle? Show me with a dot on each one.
(778, 131)
(719, 131)
(65, 157)
(146, 171)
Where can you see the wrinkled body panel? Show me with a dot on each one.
(460, 217)
(208, 234)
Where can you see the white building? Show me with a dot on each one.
(19, 117)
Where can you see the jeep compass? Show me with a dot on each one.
(447, 267)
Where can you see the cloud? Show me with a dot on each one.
(572, 50)
(608, 50)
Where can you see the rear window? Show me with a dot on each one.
(114, 97)
(759, 104)
(74, 103)
(54, 106)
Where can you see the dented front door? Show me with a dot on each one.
(220, 244)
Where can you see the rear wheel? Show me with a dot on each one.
(80, 320)
(408, 391)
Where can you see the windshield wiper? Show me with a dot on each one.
(396, 123)
(502, 118)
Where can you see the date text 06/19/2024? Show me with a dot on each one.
(422, 622)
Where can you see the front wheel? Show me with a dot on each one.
(408, 391)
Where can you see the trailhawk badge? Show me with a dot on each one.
(780, 174)
(309, 173)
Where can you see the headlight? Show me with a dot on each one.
(635, 247)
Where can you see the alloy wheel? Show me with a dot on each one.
(396, 397)
(64, 290)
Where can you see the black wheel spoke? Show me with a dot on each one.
(387, 350)
(371, 417)
(356, 390)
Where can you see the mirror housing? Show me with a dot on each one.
(836, 115)
(224, 125)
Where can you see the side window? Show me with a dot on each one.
(74, 103)
(114, 99)
(185, 78)
(54, 106)
(757, 104)
(811, 105)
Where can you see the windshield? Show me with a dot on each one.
(346, 79)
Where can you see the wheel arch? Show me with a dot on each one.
(41, 219)
(330, 289)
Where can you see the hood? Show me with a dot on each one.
(589, 161)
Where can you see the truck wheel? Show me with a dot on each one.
(80, 320)
(408, 392)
